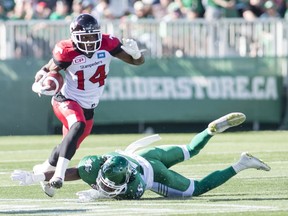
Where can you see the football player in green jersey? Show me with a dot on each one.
(128, 174)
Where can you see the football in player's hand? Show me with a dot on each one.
(54, 80)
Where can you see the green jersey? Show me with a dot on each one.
(89, 167)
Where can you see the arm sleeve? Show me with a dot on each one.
(89, 167)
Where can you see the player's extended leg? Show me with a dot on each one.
(173, 154)
(217, 126)
(217, 178)
(171, 184)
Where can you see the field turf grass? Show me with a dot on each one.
(251, 192)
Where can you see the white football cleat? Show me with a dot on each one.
(48, 190)
(42, 168)
(225, 122)
(249, 161)
(56, 182)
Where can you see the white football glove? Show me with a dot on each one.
(90, 195)
(26, 178)
(130, 46)
(38, 87)
(40, 76)
(42, 90)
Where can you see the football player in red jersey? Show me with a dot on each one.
(85, 58)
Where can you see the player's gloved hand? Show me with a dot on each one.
(42, 90)
(90, 195)
(40, 76)
(26, 178)
(38, 87)
(130, 46)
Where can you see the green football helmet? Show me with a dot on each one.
(113, 176)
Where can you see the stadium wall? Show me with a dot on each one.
(168, 90)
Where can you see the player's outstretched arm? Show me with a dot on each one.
(71, 174)
(28, 178)
(131, 53)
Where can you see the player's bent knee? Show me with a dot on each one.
(78, 127)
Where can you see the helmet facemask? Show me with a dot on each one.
(113, 176)
(108, 188)
(85, 33)
(87, 42)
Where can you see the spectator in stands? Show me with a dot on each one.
(281, 6)
(270, 10)
(252, 10)
(99, 9)
(159, 9)
(174, 12)
(5, 7)
(42, 11)
(77, 9)
(115, 9)
(61, 11)
(23, 10)
(286, 12)
(3, 15)
(141, 11)
(191, 9)
(87, 6)
(215, 9)
(81, 6)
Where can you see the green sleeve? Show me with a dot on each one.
(88, 168)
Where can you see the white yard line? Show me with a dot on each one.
(142, 207)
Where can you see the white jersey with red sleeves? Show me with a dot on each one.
(85, 77)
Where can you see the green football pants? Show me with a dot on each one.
(172, 184)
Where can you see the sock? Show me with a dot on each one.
(210, 132)
(238, 167)
(213, 180)
(47, 166)
(61, 167)
(198, 142)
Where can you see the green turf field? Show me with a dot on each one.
(251, 192)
